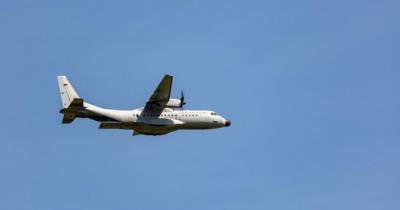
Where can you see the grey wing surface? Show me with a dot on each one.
(160, 96)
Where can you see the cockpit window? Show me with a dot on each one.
(213, 113)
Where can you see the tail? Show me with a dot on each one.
(67, 91)
(70, 99)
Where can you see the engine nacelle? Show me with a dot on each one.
(174, 103)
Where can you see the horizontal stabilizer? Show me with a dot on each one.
(68, 118)
(73, 109)
(77, 102)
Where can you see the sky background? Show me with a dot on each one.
(311, 87)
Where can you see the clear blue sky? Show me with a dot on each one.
(312, 89)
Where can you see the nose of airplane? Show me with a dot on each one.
(227, 123)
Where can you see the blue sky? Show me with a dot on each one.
(311, 88)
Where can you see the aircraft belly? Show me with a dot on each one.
(156, 126)
(154, 129)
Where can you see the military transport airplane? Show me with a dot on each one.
(161, 114)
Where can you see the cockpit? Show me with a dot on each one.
(213, 113)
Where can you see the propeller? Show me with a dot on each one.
(182, 99)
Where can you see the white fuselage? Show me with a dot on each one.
(169, 120)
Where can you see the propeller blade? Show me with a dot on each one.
(182, 99)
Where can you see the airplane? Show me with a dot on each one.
(161, 114)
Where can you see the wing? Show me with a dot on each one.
(160, 96)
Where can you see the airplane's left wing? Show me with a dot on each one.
(160, 96)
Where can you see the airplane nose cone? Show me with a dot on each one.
(227, 123)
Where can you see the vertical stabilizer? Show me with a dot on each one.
(67, 91)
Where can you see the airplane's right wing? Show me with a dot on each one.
(160, 96)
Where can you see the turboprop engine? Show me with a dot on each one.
(176, 103)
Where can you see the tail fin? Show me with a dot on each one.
(71, 101)
(67, 91)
